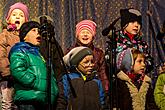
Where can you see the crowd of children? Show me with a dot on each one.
(85, 85)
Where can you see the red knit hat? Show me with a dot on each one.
(20, 6)
(86, 24)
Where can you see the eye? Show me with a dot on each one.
(34, 30)
(13, 14)
(22, 15)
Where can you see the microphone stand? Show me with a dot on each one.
(47, 32)
(110, 56)
(49, 72)
(65, 69)
(49, 68)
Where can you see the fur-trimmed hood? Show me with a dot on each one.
(138, 96)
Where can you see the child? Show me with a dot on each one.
(88, 88)
(29, 71)
(85, 35)
(133, 86)
(159, 92)
(18, 14)
(130, 35)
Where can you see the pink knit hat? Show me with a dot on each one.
(86, 24)
(20, 6)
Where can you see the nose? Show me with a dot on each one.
(91, 64)
(85, 33)
(17, 16)
(143, 64)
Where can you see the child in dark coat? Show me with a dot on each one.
(134, 86)
(88, 88)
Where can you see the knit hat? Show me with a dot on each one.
(86, 24)
(130, 15)
(124, 60)
(76, 55)
(20, 6)
(26, 27)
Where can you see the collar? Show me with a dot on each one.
(131, 36)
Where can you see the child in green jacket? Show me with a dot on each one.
(29, 71)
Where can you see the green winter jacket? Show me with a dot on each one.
(28, 69)
(159, 92)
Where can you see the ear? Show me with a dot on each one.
(25, 38)
(7, 21)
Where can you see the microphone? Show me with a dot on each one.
(105, 32)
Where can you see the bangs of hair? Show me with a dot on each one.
(136, 52)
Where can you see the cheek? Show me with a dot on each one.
(22, 19)
(91, 38)
(79, 37)
(10, 20)
(81, 68)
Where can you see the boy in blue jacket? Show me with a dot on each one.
(89, 93)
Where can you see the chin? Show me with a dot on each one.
(89, 73)
(38, 44)
(134, 33)
(85, 43)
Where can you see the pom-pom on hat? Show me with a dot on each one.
(130, 15)
(86, 24)
(26, 27)
(75, 55)
(20, 6)
(124, 60)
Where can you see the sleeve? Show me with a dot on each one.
(61, 99)
(102, 95)
(159, 92)
(102, 72)
(4, 62)
(20, 69)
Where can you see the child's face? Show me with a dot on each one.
(133, 28)
(86, 65)
(85, 37)
(33, 37)
(139, 65)
(17, 17)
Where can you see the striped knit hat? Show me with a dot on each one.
(75, 55)
(86, 24)
(20, 6)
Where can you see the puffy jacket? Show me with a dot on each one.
(8, 39)
(159, 92)
(29, 71)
